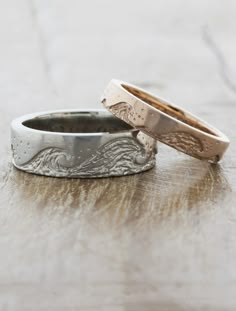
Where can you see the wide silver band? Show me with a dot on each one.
(164, 121)
(79, 144)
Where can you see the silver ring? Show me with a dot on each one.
(79, 144)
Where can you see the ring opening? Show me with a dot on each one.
(168, 109)
(78, 122)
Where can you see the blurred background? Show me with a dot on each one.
(161, 241)
(61, 53)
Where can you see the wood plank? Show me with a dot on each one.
(160, 240)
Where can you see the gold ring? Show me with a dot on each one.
(164, 121)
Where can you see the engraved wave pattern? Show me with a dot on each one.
(123, 110)
(183, 141)
(180, 140)
(117, 157)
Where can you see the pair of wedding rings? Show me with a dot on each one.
(117, 142)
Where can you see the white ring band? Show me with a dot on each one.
(80, 144)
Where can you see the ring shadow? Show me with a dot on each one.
(143, 198)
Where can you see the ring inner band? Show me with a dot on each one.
(168, 109)
(78, 122)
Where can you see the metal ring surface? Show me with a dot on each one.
(164, 121)
(79, 144)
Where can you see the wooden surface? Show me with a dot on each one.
(159, 241)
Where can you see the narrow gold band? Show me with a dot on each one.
(164, 122)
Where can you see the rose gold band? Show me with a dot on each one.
(164, 121)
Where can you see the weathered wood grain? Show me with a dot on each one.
(162, 240)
